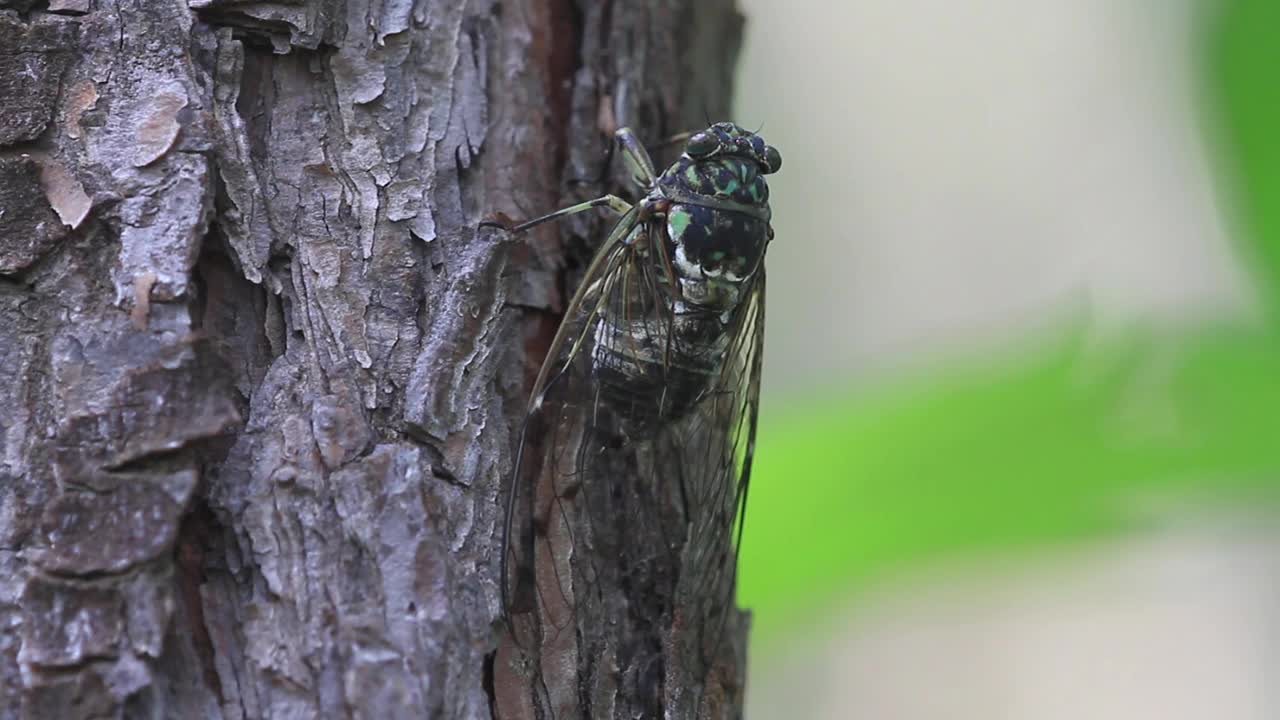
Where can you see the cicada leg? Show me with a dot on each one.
(634, 155)
(637, 159)
(613, 202)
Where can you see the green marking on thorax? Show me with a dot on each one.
(679, 220)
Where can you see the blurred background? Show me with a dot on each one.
(1019, 454)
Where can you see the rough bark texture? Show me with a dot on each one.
(262, 369)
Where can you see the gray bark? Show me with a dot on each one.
(262, 370)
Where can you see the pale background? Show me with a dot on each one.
(954, 169)
(956, 173)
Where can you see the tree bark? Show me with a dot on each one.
(262, 369)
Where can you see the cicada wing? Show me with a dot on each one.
(569, 439)
(715, 446)
(555, 416)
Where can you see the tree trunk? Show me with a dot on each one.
(262, 370)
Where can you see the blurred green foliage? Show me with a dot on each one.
(1047, 444)
(1052, 441)
(1242, 61)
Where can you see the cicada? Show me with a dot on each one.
(626, 504)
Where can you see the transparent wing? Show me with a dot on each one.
(627, 496)
(571, 438)
(715, 445)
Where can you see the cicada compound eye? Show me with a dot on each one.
(772, 159)
(701, 145)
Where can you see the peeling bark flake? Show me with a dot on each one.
(159, 128)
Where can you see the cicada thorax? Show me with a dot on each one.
(717, 227)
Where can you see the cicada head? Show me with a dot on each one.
(724, 164)
(718, 221)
